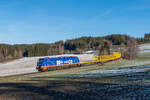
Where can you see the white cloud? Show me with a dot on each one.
(97, 18)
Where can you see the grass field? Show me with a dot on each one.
(60, 85)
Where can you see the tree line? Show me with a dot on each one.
(126, 44)
(145, 39)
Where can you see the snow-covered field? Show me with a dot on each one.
(19, 66)
(28, 64)
(111, 72)
(143, 48)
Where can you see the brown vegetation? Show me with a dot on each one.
(130, 50)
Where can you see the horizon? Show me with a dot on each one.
(38, 21)
(66, 40)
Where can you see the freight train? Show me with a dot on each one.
(56, 63)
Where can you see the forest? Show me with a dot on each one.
(125, 44)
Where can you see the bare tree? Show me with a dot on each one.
(104, 48)
(131, 50)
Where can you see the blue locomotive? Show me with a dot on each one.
(44, 64)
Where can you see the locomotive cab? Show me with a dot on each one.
(39, 64)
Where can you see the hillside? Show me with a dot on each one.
(73, 46)
(28, 64)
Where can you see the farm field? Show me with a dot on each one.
(121, 79)
(79, 84)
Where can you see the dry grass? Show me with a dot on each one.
(45, 87)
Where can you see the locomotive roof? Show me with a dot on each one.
(58, 57)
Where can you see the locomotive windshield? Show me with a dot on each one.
(40, 61)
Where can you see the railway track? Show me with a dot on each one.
(21, 71)
(32, 73)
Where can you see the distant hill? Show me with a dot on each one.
(78, 45)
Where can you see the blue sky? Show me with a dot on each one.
(47, 21)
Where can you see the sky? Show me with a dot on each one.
(48, 21)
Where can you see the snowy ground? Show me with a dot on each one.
(27, 65)
(111, 72)
(19, 66)
(143, 48)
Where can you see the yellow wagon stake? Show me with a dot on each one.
(104, 58)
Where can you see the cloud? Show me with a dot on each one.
(97, 18)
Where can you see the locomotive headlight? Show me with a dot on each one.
(37, 67)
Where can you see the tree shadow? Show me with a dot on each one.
(72, 90)
(55, 90)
